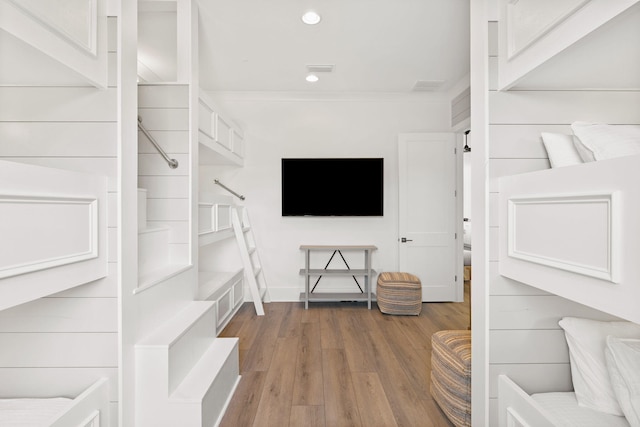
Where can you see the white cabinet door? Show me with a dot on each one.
(429, 216)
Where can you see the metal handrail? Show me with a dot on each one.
(240, 196)
(173, 163)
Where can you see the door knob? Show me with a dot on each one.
(405, 240)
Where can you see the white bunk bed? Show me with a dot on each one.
(89, 409)
(571, 231)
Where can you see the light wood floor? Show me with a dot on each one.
(337, 364)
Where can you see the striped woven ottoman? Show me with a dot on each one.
(451, 374)
(399, 293)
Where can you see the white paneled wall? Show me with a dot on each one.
(525, 340)
(63, 343)
(164, 109)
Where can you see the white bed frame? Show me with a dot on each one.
(572, 231)
(89, 409)
(517, 409)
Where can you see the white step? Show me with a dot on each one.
(185, 375)
(142, 208)
(182, 340)
(210, 384)
(153, 250)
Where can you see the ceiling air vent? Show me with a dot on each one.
(427, 85)
(322, 68)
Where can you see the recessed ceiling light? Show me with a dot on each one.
(311, 18)
(312, 78)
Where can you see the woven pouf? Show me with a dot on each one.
(399, 293)
(451, 374)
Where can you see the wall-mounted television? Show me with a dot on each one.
(332, 186)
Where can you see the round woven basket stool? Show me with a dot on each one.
(451, 374)
(399, 293)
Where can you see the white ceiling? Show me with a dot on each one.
(375, 45)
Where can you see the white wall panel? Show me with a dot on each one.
(164, 118)
(173, 142)
(27, 350)
(537, 312)
(154, 164)
(57, 104)
(563, 107)
(63, 315)
(167, 209)
(527, 346)
(178, 230)
(520, 141)
(56, 139)
(165, 187)
(163, 96)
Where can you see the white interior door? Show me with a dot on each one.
(429, 215)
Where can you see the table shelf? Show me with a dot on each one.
(366, 273)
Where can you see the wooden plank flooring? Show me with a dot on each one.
(337, 364)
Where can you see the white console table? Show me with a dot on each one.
(367, 273)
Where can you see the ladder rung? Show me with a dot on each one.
(257, 291)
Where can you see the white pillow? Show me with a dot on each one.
(587, 341)
(596, 141)
(623, 363)
(560, 149)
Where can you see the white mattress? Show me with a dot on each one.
(31, 412)
(564, 412)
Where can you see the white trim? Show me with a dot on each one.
(92, 232)
(90, 45)
(610, 200)
(512, 51)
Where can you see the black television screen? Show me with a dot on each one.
(332, 187)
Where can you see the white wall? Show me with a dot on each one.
(278, 126)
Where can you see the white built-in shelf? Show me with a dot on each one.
(211, 282)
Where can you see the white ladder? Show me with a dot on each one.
(250, 259)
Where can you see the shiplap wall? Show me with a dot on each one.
(164, 109)
(524, 337)
(61, 344)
